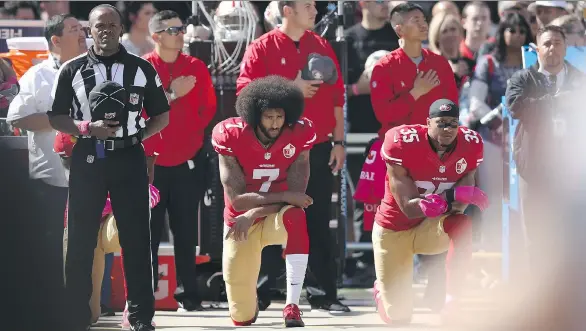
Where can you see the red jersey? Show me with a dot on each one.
(265, 169)
(189, 115)
(409, 147)
(392, 80)
(274, 53)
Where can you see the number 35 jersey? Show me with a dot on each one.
(409, 146)
(265, 169)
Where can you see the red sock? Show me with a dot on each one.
(295, 223)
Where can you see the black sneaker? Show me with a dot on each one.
(263, 303)
(107, 311)
(332, 306)
(189, 305)
(140, 326)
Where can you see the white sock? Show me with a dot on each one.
(296, 265)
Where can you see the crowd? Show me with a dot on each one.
(116, 136)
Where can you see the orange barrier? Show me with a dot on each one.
(25, 52)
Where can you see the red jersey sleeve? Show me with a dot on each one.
(307, 134)
(475, 150)
(207, 98)
(63, 144)
(252, 67)
(388, 106)
(222, 140)
(392, 150)
(339, 86)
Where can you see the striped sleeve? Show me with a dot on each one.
(222, 141)
(307, 134)
(392, 150)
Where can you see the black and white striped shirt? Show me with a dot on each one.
(78, 76)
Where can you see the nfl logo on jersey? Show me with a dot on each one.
(134, 98)
(442, 169)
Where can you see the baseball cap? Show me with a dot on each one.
(508, 5)
(320, 67)
(444, 108)
(552, 4)
(107, 101)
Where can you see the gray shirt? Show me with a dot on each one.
(35, 98)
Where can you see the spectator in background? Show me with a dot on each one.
(137, 39)
(5, 14)
(545, 98)
(532, 18)
(548, 11)
(445, 36)
(476, 23)
(179, 171)
(23, 10)
(66, 40)
(505, 8)
(373, 33)
(52, 8)
(448, 7)
(573, 28)
(486, 91)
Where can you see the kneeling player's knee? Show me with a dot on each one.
(295, 223)
(458, 225)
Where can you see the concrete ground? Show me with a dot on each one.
(363, 316)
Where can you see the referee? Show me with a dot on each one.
(99, 97)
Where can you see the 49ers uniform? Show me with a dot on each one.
(396, 237)
(265, 170)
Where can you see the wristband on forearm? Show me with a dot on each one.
(84, 128)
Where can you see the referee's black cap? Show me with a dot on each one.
(107, 101)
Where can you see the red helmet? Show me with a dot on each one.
(63, 144)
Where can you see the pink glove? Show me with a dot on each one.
(155, 196)
(468, 195)
(433, 205)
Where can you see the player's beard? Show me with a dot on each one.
(266, 133)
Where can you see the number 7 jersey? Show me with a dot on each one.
(265, 169)
(408, 146)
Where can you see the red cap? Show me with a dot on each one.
(64, 144)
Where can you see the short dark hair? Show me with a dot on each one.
(132, 7)
(14, 6)
(106, 6)
(55, 26)
(282, 4)
(271, 92)
(479, 4)
(400, 10)
(156, 22)
(551, 28)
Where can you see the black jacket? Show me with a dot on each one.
(548, 124)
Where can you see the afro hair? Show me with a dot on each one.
(272, 92)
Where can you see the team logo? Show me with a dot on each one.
(158, 80)
(283, 61)
(442, 169)
(267, 155)
(373, 84)
(461, 166)
(90, 159)
(402, 84)
(317, 75)
(109, 116)
(134, 98)
(446, 107)
(289, 151)
(371, 157)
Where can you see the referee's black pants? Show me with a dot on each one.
(122, 173)
(181, 188)
(322, 276)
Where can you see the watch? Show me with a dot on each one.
(339, 142)
(171, 94)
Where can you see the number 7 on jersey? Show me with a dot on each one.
(269, 174)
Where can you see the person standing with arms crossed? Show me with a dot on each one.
(404, 84)
(284, 51)
(109, 157)
(180, 166)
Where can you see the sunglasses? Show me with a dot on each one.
(174, 30)
(451, 125)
